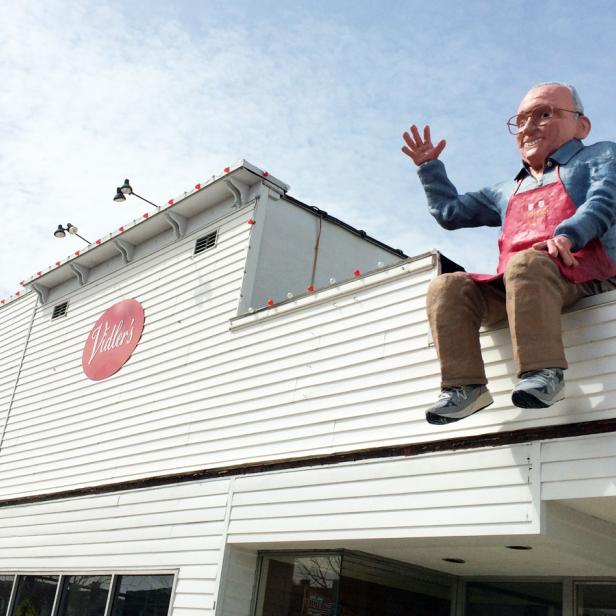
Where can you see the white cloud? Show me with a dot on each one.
(169, 94)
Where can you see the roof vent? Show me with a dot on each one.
(59, 310)
(206, 242)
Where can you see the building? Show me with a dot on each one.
(219, 409)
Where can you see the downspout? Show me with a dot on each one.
(316, 252)
(21, 363)
(221, 571)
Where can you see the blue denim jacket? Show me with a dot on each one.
(587, 172)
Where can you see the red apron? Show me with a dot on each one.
(531, 217)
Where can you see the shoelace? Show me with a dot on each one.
(546, 376)
(447, 391)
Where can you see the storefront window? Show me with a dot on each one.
(35, 595)
(595, 599)
(293, 585)
(142, 595)
(348, 584)
(84, 595)
(375, 586)
(513, 599)
(6, 585)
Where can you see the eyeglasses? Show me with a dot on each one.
(539, 117)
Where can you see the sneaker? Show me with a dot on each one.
(458, 402)
(539, 389)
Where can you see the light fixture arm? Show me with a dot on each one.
(82, 238)
(146, 200)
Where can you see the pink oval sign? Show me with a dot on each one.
(113, 339)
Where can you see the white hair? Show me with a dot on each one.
(577, 101)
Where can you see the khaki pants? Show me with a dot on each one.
(531, 296)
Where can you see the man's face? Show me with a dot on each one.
(536, 143)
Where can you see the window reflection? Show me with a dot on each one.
(6, 585)
(596, 599)
(348, 584)
(513, 599)
(142, 595)
(35, 595)
(374, 586)
(294, 585)
(84, 595)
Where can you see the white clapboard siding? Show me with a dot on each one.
(483, 492)
(349, 367)
(226, 401)
(578, 468)
(185, 528)
(238, 581)
(64, 393)
(176, 528)
(176, 284)
(15, 321)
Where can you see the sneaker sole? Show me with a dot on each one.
(481, 403)
(526, 400)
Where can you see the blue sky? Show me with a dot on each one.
(318, 93)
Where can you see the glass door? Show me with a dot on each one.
(513, 598)
(595, 599)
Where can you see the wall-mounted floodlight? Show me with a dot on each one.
(126, 189)
(60, 232)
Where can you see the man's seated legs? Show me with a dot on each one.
(532, 298)
(536, 295)
(457, 307)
